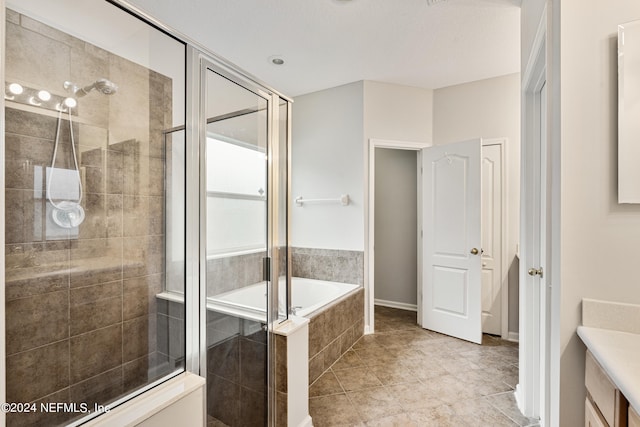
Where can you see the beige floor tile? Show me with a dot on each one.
(357, 379)
(376, 355)
(415, 395)
(366, 341)
(325, 385)
(440, 416)
(479, 412)
(334, 410)
(406, 376)
(506, 403)
(482, 382)
(348, 360)
(374, 403)
(397, 420)
(396, 373)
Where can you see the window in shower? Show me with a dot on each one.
(236, 196)
(94, 208)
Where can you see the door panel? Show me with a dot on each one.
(451, 209)
(236, 241)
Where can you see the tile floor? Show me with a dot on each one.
(406, 376)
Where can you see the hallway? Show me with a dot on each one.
(406, 376)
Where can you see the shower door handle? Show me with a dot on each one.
(266, 269)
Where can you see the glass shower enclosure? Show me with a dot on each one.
(146, 232)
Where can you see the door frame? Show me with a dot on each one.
(504, 268)
(369, 216)
(533, 393)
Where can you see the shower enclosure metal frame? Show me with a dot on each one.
(203, 63)
(198, 58)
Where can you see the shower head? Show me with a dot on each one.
(104, 86)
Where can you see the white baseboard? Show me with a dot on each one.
(518, 396)
(307, 422)
(513, 337)
(394, 304)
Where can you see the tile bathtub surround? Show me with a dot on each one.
(406, 376)
(328, 264)
(333, 330)
(81, 313)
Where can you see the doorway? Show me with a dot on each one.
(396, 231)
(414, 150)
(395, 252)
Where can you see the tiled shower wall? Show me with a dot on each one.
(232, 272)
(332, 265)
(236, 370)
(81, 310)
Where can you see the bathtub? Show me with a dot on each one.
(308, 295)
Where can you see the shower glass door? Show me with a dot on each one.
(235, 211)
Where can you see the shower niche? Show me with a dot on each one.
(93, 147)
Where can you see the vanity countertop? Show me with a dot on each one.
(619, 355)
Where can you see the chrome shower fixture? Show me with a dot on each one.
(104, 86)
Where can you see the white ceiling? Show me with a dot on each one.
(326, 43)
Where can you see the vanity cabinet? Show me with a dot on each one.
(605, 405)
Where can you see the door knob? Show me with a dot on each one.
(474, 251)
(535, 272)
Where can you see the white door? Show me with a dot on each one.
(451, 240)
(492, 239)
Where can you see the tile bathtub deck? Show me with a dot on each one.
(404, 375)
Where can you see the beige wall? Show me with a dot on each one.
(599, 237)
(488, 108)
(397, 112)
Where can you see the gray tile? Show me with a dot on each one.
(226, 407)
(140, 295)
(254, 408)
(135, 338)
(223, 360)
(36, 373)
(143, 255)
(96, 352)
(23, 46)
(100, 389)
(94, 307)
(37, 320)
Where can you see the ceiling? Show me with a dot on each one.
(327, 43)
